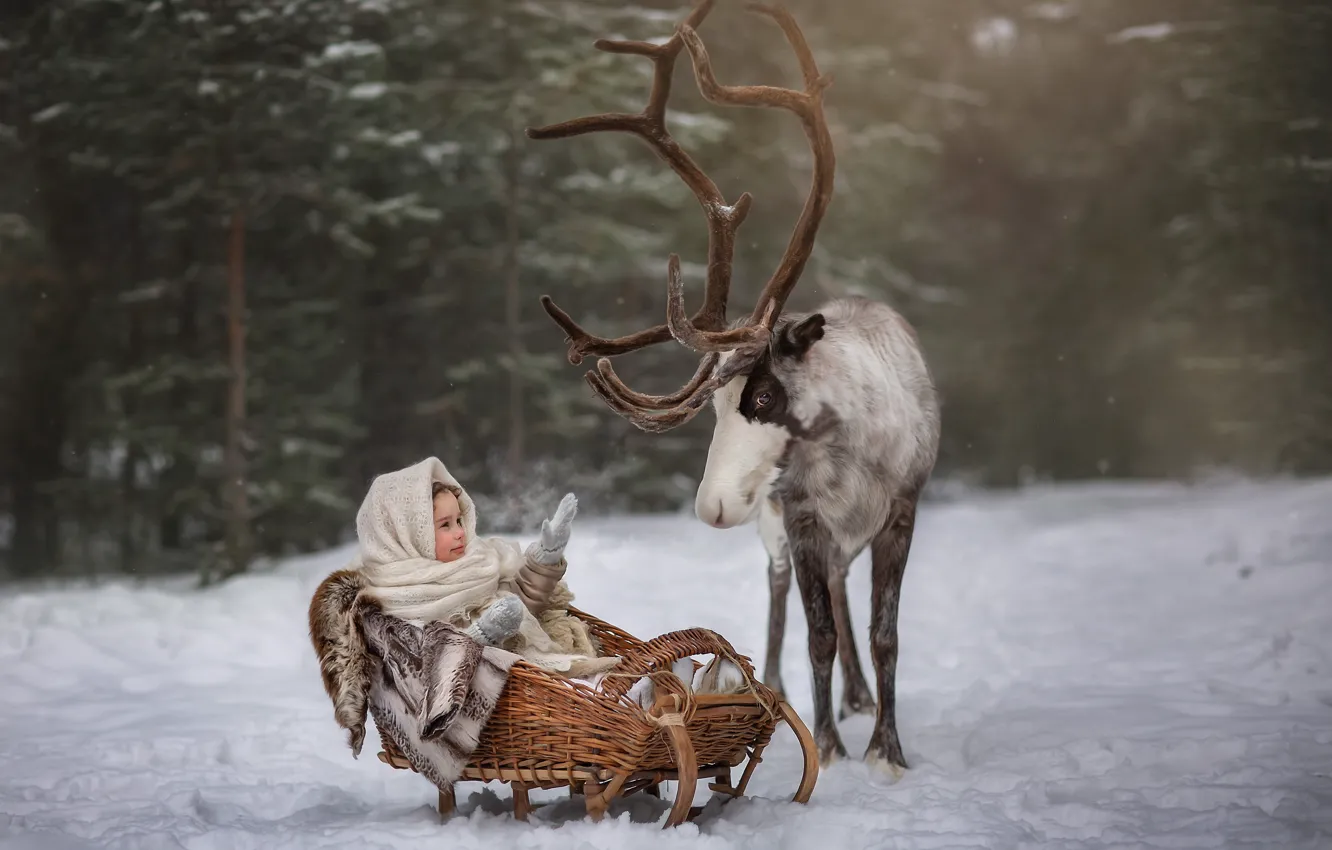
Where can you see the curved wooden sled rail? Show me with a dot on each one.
(807, 749)
(547, 732)
(686, 776)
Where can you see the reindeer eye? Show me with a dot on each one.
(763, 399)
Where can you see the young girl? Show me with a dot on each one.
(423, 562)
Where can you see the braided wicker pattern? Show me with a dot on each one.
(545, 724)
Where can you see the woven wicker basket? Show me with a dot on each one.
(549, 732)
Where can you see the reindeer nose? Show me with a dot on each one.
(718, 521)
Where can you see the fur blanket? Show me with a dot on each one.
(430, 689)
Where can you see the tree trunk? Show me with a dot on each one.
(184, 468)
(129, 509)
(237, 509)
(512, 310)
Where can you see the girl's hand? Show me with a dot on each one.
(555, 531)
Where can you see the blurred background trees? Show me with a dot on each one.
(1108, 219)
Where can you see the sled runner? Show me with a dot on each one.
(550, 732)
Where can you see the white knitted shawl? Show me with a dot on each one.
(396, 528)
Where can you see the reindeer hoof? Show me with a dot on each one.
(887, 761)
(884, 767)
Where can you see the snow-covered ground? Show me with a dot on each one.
(1081, 667)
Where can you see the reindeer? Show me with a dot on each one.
(827, 423)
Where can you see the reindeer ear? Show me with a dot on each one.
(795, 340)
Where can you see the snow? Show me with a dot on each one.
(1097, 666)
(367, 91)
(994, 35)
(352, 50)
(435, 154)
(1144, 32)
(404, 138)
(50, 113)
(1051, 11)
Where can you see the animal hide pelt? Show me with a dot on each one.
(430, 689)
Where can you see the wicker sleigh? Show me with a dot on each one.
(548, 732)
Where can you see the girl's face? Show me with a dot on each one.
(450, 536)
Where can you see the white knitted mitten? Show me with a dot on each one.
(555, 532)
(497, 623)
(544, 565)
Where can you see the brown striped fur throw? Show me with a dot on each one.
(430, 689)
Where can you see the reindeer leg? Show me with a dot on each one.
(773, 535)
(779, 586)
(856, 696)
(811, 551)
(888, 551)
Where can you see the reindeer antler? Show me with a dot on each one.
(705, 332)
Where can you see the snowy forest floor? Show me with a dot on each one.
(1096, 666)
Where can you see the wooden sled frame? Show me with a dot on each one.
(548, 732)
